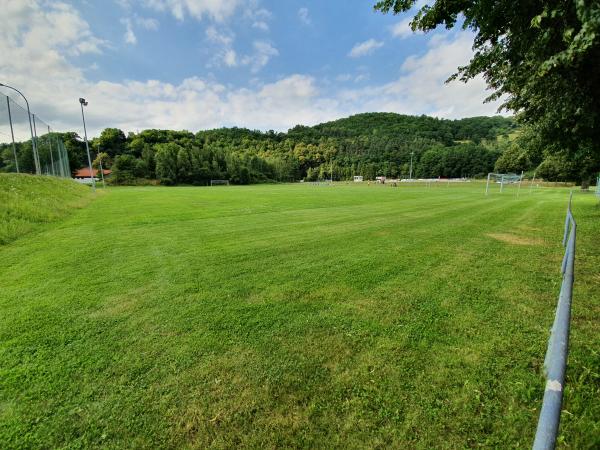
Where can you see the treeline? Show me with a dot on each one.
(373, 144)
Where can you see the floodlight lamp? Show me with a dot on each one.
(83, 102)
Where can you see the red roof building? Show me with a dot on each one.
(85, 173)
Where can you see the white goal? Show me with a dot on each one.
(503, 179)
(219, 182)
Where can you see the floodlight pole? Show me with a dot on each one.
(83, 103)
(12, 134)
(411, 161)
(36, 159)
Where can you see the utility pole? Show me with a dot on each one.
(87, 147)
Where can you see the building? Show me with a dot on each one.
(358, 178)
(85, 173)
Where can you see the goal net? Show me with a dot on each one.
(502, 180)
(219, 182)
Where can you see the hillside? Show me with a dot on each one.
(445, 131)
(369, 144)
(27, 201)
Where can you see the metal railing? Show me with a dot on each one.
(555, 362)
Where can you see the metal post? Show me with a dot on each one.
(520, 180)
(532, 182)
(411, 161)
(50, 146)
(87, 147)
(37, 154)
(501, 183)
(12, 134)
(487, 185)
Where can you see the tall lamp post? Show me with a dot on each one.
(36, 159)
(83, 103)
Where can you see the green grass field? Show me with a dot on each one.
(296, 316)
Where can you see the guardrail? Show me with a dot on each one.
(555, 362)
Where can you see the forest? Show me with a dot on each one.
(371, 144)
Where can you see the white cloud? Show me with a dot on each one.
(304, 16)
(129, 36)
(263, 52)
(365, 48)
(230, 58)
(35, 50)
(260, 57)
(259, 17)
(421, 89)
(219, 37)
(146, 23)
(403, 30)
(261, 26)
(217, 10)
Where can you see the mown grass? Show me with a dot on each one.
(296, 316)
(27, 201)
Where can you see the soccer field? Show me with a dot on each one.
(305, 316)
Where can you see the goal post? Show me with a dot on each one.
(219, 182)
(503, 179)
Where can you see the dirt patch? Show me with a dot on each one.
(381, 233)
(529, 228)
(515, 240)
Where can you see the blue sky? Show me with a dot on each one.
(193, 64)
(311, 37)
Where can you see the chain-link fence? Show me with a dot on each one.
(27, 143)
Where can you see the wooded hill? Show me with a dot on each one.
(369, 144)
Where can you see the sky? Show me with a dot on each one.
(201, 64)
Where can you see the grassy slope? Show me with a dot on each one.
(303, 316)
(27, 201)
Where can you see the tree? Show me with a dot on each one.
(124, 169)
(166, 162)
(112, 141)
(102, 159)
(542, 57)
(514, 159)
(555, 167)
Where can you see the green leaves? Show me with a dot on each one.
(540, 56)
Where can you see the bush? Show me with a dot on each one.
(167, 182)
